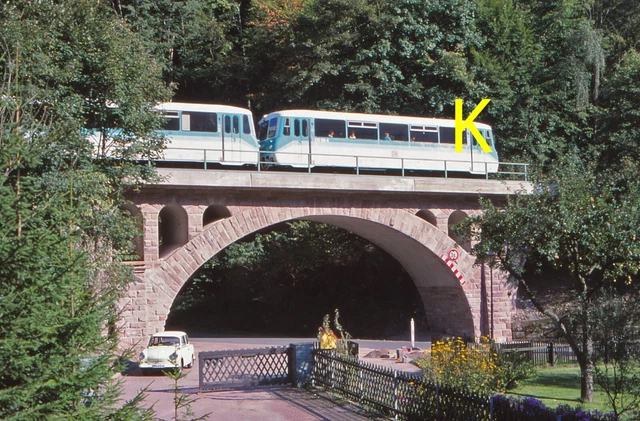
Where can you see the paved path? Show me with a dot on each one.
(264, 404)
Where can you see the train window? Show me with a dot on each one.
(271, 132)
(486, 134)
(296, 128)
(396, 131)
(287, 127)
(325, 126)
(227, 124)
(305, 128)
(447, 135)
(199, 122)
(424, 136)
(246, 125)
(171, 121)
(362, 133)
(363, 124)
(236, 124)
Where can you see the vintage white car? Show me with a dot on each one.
(166, 350)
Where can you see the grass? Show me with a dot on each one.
(561, 385)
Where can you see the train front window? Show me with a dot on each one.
(200, 122)
(246, 125)
(172, 122)
(262, 129)
(487, 135)
(273, 124)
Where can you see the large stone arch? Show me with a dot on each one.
(450, 305)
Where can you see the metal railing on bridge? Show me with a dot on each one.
(358, 163)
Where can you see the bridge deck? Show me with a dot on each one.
(185, 178)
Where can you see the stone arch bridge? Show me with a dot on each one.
(194, 214)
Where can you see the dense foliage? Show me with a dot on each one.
(63, 65)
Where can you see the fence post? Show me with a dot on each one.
(550, 349)
(201, 368)
(360, 363)
(395, 394)
(491, 414)
(300, 363)
(437, 402)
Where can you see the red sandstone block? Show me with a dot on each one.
(129, 333)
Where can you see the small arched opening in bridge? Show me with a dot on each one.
(214, 213)
(172, 229)
(427, 216)
(135, 250)
(462, 240)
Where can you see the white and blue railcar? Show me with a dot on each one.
(209, 133)
(306, 138)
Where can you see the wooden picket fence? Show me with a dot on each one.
(404, 396)
(393, 393)
(541, 353)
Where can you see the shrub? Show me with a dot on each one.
(453, 363)
(329, 339)
(531, 409)
(513, 367)
(476, 366)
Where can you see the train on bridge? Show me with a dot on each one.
(306, 139)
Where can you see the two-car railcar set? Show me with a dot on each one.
(309, 139)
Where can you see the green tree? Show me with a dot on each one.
(566, 243)
(370, 56)
(199, 42)
(617, 316)
(68, 69)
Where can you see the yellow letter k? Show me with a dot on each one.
(468, 124)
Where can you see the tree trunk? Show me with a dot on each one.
(587, 368)
(586, 380)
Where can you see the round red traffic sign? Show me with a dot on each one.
(453, 254)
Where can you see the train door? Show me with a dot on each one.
(301, 135)
(231, 139)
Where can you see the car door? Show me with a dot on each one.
(231, 138)
(302, 136)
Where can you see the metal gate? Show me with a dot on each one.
(244, 368)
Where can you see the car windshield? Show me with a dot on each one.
(164, 341)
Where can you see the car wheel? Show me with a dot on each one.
(191, 363)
